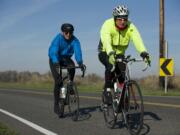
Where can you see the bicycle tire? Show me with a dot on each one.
(109, 114)
(61, 107)
(133, 108)
(73, 103)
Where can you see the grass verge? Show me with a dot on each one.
(160, 92)
(28, 85)
(4, 130)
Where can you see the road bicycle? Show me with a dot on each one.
(126, 100)
(70, 98)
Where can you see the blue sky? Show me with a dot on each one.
(28, 27)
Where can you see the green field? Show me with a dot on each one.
(86, 88)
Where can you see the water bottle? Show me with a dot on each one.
(63, 92)
(117, 89)
(120, 87)
(117, 92)
(115, 86)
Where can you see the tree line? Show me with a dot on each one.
(14, 76)
(27, 76)
(90, 79)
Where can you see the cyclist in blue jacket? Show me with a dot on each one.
(63, 46)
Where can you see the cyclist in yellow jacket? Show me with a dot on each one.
(115, 35)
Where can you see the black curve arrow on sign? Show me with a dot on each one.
(164, 65)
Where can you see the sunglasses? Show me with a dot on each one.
(66, 33)
(122, 19)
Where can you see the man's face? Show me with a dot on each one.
(67, 35)
(121, 22)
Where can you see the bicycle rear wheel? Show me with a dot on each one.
(109, 113)
(133, 109)
(73, 103)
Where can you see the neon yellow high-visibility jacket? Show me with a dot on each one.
(114, 40)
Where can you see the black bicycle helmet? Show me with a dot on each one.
(67, 27)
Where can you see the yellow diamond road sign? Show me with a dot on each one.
(166, 67)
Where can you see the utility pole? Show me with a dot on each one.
(161, 40)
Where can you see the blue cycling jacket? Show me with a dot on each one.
(60, 48)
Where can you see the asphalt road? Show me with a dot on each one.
(31, 113)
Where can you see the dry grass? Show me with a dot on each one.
(91, 81)
(152, 82)
(176, 81)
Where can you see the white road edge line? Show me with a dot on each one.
(35, 126)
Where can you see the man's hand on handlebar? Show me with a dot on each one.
(146, 58)
(112, 58)
(148, 62)
(82, 66)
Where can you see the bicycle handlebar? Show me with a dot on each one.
(129, 59)
(75, 67)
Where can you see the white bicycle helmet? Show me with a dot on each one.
(120, 11)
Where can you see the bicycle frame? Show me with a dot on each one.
(71, 94)
(67, 76)
(127, 62)
(127, 100)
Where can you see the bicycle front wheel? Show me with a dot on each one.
(133, 109)
(109, 113)
(61, 107)
(73, 98)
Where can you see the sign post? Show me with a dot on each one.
(166, 78)
(166, 67)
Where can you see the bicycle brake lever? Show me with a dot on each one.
(145, 68)
(129, 56)
(83, 72)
